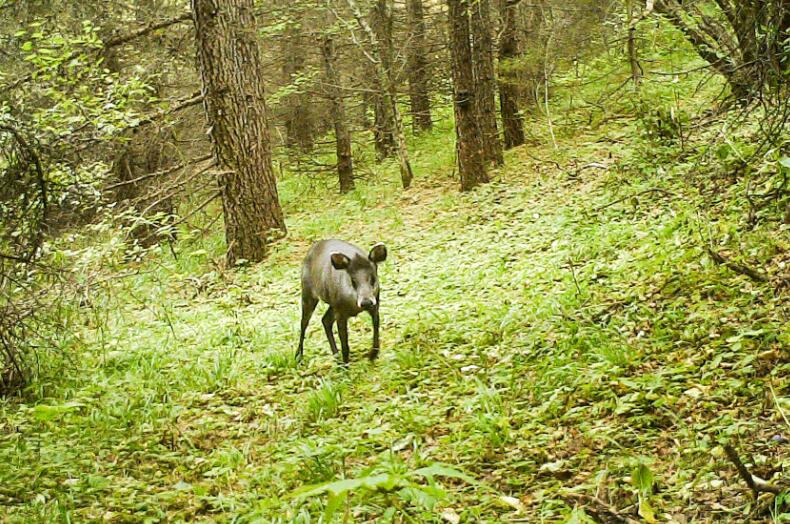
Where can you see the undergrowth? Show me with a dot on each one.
(561, 332)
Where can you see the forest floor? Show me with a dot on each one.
(556, 340)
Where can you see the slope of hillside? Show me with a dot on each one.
(558, 339)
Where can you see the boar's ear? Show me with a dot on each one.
(339, 260)
(378, 253)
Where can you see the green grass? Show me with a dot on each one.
(538, 335)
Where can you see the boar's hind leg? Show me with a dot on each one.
(342, 330)
(308, 306)
(328, 320)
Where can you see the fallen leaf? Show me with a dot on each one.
(450, 516)
(514, 503)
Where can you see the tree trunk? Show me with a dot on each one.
(345, 166)
(469, 144)
(383, 135)
(633, 55)
(529, 23)
(406, 174)
(150, 198)
(384, 132)
(485, 81)
(778, 46)
(386, 78)
(512, 122)
(722, 64)
(145, 151)
(298, 125)
(739, 42)
(417, 67)
(233, 98)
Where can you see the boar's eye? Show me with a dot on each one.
(372, 280)
(354, 282)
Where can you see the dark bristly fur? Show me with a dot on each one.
(346, 278)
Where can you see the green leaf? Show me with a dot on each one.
(723, 151)
(785, 161)
(333, 503)
(336, 487)
(98, 482)
(45, 413)
(440, 470)
(643, 478)
(418, 497)
(578, 516)
(384, 481)
(646, 511)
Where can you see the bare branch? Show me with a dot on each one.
(163, 172)
(192, 100)
(734, 266)
(756, 484)
(124, 39)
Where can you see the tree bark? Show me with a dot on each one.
(384, 132)
(469, 144)
(633, 54)
(512, 122)
(386, 78)
(417, 67)
(345, 166)
(485, 81)
(707, 50)
(741, 42)
(298, 125)
(532, 31)
(233, 98)
(383, 135)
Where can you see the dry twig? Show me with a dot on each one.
(734, 266)
(599, 510)
(756, 484)
(646, 191)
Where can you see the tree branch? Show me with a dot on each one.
(124, 39)
(598, 510)
(756, 484)
(734, 266)
(113, 42)
(192, 100)
(640, 193)
(701, 45)
(163, 172)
